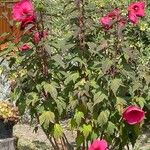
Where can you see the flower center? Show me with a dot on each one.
(136, 8)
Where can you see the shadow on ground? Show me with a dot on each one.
(34, 145)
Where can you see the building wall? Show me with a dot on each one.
(6, 23)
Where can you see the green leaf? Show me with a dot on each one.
(79, 139)
(141, 101)
(79, 60)
(58, 131)
(49, 88)
(94, 84)
(78, 117)
(94, 135)
(103, 117)
(106, 64)
(72, 124)
(86, 130)
(133, 133)
(115, 84)
(120, 103)
(59, 60)
(91, 45)
(46, 118)
(147, 78)
(32, 98)
(61, 105)
(136, 85)
(99, 97)
(111, 128)
(72, 77)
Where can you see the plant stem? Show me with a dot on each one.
(81, 35)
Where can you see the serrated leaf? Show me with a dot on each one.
(94, 135)
(94, 84)
(59, 60)
(141, 101)
(58, 131)
(79, 139)
(99, 97)
(133, 133)
(106, 65)
(72, 124)
(147, 78)
(86, 130)
(103, 117)
(32, 98)
(136, 86)
(120, 103)
(115, 84)
(92, 45)
(46, 118)
(77, 60)
(72, 77)
(49, 88)
(78, 117)
(111, 128)
(61, 105)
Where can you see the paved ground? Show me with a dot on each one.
(28, 140)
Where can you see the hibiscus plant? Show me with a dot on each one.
(87, 57)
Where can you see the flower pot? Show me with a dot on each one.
(6, 129)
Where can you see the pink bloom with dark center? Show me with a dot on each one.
(133, 115)
(107, 20)
(114, 14)
(99, 145)
(23, 12)
(39, 35)
(137, 8)
(133, 18)
(27, 21)
(24, 47)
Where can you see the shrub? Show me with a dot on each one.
(92, 58)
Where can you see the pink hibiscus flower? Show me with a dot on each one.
(133, 18)
(27, 21)
(135, 10)
(133, 115)
(98, 145)
(114, 14)
(23, 12)
(39, 35)
(24, 47)
(107, 20)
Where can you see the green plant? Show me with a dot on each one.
(94, 71)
